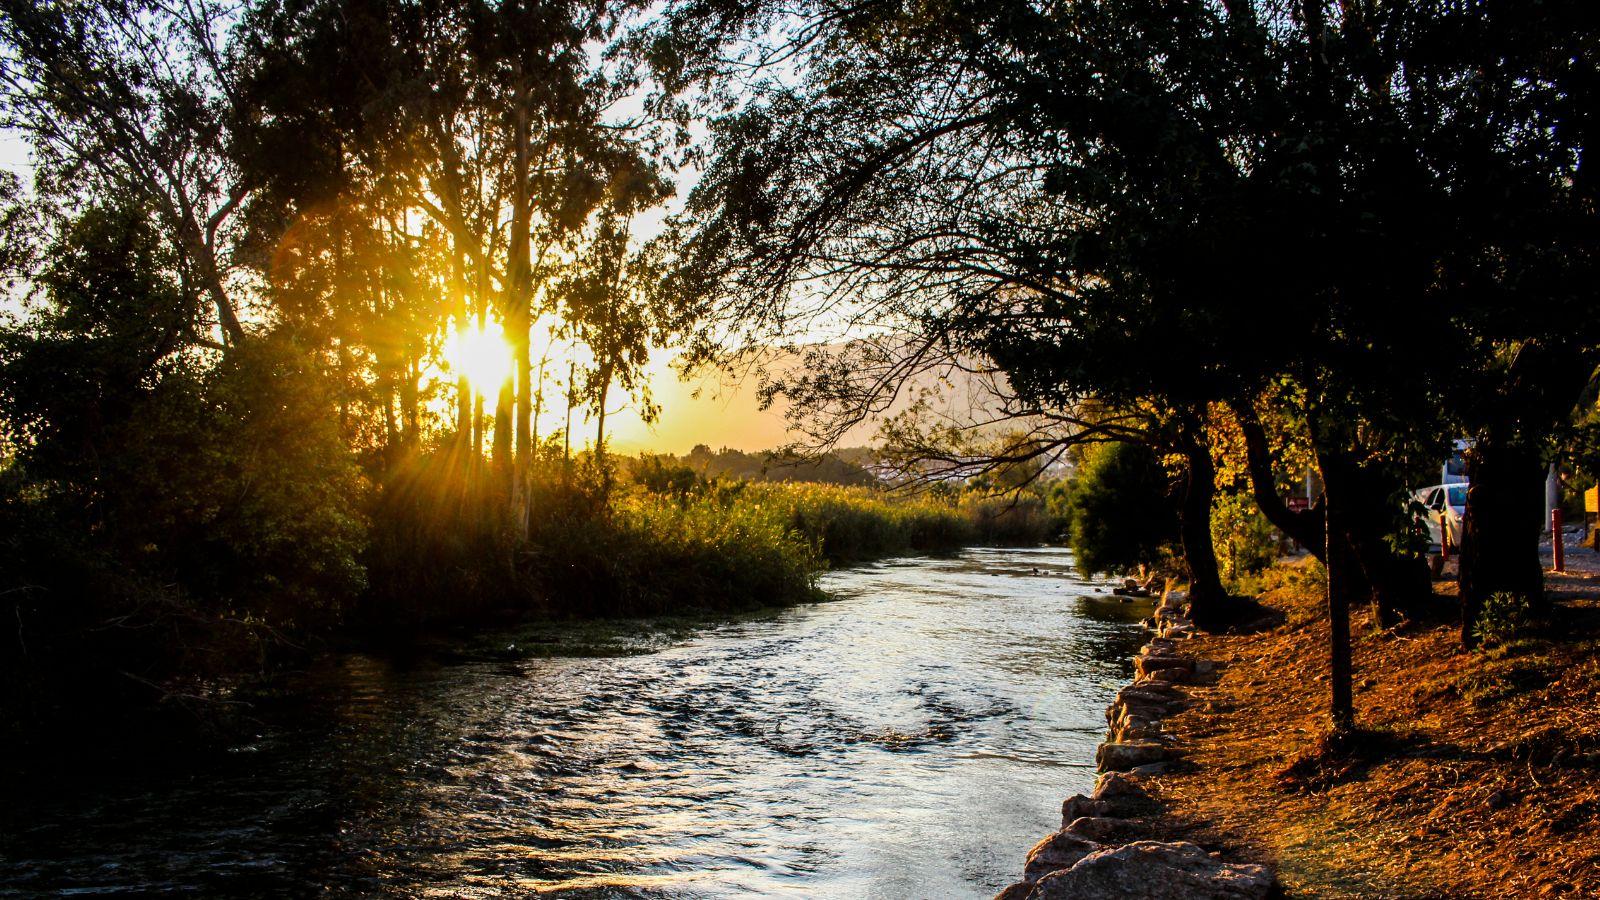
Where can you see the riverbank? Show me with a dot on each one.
(1474, 774)
(1120, 842)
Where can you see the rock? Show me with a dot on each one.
(1138, 731)
(1135, 724)
(1169, 676)
(1204, 667)
(1155, 768)
(1175, 630)
(1018, 891)
(1123, 713)
(1058, 851)
(1113, 785)
(1158, 662)
(1077, 806)
(1106, 829)
(1114, 757)
(1160, 696)
(1160, 693)
(1152, 870)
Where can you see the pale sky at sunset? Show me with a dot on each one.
(723, 415)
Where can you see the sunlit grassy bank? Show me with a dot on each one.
(637, 548)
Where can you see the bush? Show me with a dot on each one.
(1507, 617)
(1245, 541)
(197, 530)
(1121, 515)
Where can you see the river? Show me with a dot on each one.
(910, 739)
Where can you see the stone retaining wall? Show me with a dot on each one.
(1103, 849)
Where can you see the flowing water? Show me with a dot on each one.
(911, 739)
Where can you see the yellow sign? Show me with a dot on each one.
(1591, 500)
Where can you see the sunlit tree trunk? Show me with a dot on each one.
(538, 398)
(481, 301)
(518, 319)
(463, 317)
(1395, 582)
(410, 411)
(1303, 527)
(600, 429)
(566, 432)
(390, 431)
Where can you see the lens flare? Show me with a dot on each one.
(482, 355)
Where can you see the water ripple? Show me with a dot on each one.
(903, 742)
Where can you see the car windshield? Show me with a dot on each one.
(1458, 495)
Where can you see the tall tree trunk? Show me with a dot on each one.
(1341, 565)
(478, 427)
(390, 439)
(1537, 390)
(210, 275)
(538, 396)
(410, 407)
(1500, 537)
(1207, 597)
(520, 275)
(600, 431)
(463, 316)
(566, 431)
(480, 424)
(1343, 575)
(502, 429)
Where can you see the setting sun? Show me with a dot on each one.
(482, 355)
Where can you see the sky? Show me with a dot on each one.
(707, 411)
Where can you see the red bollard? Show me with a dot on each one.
(1557, 548)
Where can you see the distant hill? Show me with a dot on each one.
(846, 466)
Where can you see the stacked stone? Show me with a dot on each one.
(1101, 850)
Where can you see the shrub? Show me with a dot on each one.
(1245, 541)
(1121, 515)
(1507, 617)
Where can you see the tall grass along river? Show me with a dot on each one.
(907, 740)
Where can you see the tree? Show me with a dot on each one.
(609, 309)
(134, 105)
(1122, 512)
(1176, 206)
(223, 478)
(497, 125)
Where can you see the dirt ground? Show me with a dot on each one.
(1473, 775)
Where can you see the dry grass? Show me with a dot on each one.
(1474, 775)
